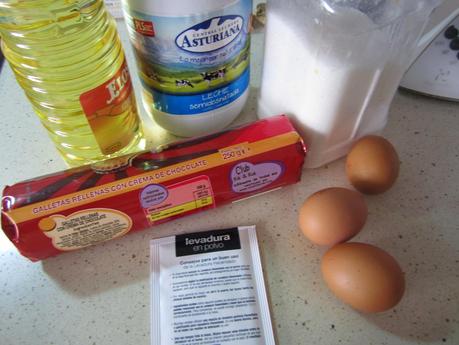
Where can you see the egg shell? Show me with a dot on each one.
(363, 276)
(372, 165)
(332, 216)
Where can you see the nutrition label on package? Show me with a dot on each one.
(160, 202)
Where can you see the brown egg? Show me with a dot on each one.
(372, 165)
(363, 276)
(332, 216)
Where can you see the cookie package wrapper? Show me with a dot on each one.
(208, 288)
(84, 206)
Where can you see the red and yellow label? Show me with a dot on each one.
(160, 202)
(159, 176)
(111, 111)
(144, 27)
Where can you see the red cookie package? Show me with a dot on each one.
(84, 206)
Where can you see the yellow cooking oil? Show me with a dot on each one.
(68, 58)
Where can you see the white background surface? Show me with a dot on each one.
(101, 295)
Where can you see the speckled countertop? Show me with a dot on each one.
(101, 295)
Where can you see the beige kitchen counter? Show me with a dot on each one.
(101, 295)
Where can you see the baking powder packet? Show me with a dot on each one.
(207, 288)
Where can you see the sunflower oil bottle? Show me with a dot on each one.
(68, 58)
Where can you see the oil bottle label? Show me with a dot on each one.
(111, 111)
(193, 64)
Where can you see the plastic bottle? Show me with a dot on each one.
(68, 58)
(193, 60)
(334, 66)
